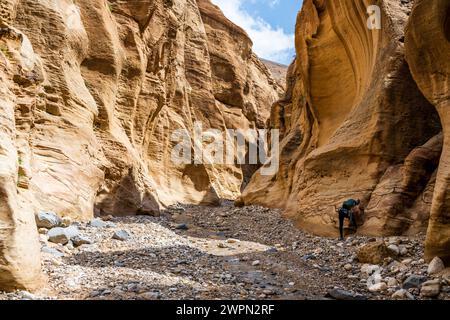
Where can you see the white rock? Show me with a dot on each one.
(435, 266)
(62, 235)
(407, 261)
(150, 296)
(27, 295)
(431, 288)
(121, 235)
(99, 223)
(403, 250)
(394, 249)
(47, 220)
(370, 269)
(52, 251)
(256, 263)
(80, 240)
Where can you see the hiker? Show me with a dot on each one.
(348, 210)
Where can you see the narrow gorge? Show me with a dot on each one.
(92, 92)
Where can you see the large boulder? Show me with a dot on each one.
(62, 235)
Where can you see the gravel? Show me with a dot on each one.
(226, 253)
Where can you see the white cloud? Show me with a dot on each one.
(268, 42)
(273, 3)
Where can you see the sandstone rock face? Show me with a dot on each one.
(374, 253)
(91, 93)
(354, 125)
(279, 71)
(427, 48)
(19, 244)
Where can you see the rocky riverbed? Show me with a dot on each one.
(192, 252)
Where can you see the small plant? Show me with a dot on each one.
(110, 6)
(4, 49)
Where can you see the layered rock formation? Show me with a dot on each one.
(354, 124)
(278, 70)
(428, 55)
(91, 93)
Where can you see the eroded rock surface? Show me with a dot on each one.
(354, 125)
(91, 93)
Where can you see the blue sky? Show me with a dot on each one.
(269, 23)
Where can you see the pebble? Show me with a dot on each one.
(52, 251)
(161, 264)
(370, 269)
(66, 222)
(381, 286)
(392, 282)
(413, 281)
(122, 235)
(62, 235)
(99, 223)
(27, 295)
(431, 288)
(394, 249)
(80, 240)
(272, 250)
(402, 294)
(150, 295)
(340, 294)
(403, 250)
(348, 267)
(436, 265)
(182, 226)
(407, 261)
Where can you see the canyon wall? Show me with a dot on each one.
(355, 124)
(91, 93)
(428, 55)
